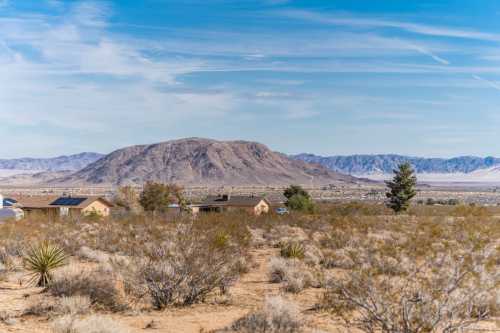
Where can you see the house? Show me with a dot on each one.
(252, 204)
(54, 206)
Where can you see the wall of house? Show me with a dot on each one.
(96, 207)
(262, 207)
(51, 213)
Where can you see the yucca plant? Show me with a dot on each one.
(292, 250)
(41, 260)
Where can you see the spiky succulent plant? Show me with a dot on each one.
(41, 260)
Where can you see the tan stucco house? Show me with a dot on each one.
(251, 204)
(54, 206)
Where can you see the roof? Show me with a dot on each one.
(50, 201)
(9, 202)
(39, 201)
(276, 198)
(234, 200)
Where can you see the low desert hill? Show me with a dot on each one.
(206, 162)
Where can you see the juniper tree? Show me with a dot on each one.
(402, 188)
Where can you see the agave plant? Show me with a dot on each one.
(292, 250)
(41, 260)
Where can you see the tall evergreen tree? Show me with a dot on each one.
(402, 188)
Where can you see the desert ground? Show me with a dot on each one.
(347, 266)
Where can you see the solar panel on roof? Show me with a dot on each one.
(8, 202)
(68, 201)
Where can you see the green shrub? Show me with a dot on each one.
(301, 203)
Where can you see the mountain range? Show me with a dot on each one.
(206, 162)
(191, 162)
(464, 168)
(60, 163)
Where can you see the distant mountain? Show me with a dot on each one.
(203, 162)
(366, 165)
(71, 162)
(32, 179)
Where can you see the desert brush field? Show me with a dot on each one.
(346, 267)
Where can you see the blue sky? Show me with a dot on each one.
(327, 77)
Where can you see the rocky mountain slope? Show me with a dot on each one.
(196, 161)
(71, 162)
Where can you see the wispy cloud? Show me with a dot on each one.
(492, 84)
(430, 54)
(383, 23)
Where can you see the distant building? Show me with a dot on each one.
(251, 204)
(54, 206)
(8, 211)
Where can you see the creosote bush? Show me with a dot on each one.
(100, 285)
(190, 267)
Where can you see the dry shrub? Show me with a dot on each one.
(313, 255)
(89, 254)
(190, 267)
(338, 259)
(48, 306)
(92, 324)
(41, 306)
(294, 274)
(7, 260)
(446, 292)
(73, 305)
(101, 286)
(277, 316)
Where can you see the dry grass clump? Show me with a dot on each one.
(294, 275)
(92, 324)
(101, 286)
(277, 316)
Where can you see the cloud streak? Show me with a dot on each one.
(492, 84)
(421, 29)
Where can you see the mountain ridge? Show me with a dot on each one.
(72, 162)
(365, 164)
(204, 162)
